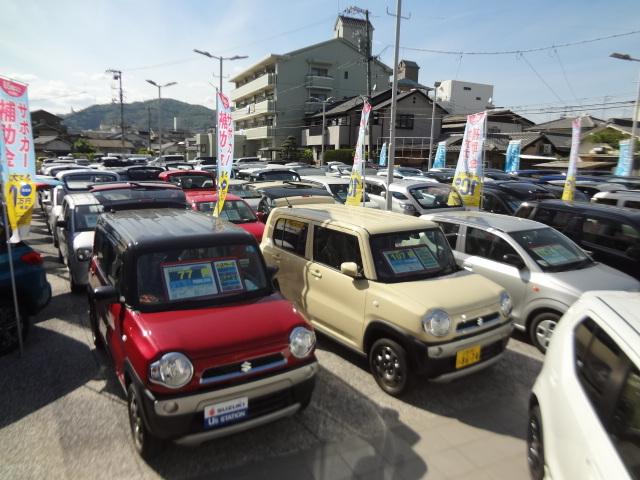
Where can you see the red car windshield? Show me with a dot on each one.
(207, 276)
(235, 211)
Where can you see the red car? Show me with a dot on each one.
(193, 182)
(201, 341)
(235, 210)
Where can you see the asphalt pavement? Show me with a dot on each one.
(63, 415)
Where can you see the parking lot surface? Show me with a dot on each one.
(63, 415)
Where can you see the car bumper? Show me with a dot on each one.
(182, 418)
(440, 360)
(79, 271)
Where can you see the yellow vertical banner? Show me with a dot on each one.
(570, 183)
(470, 170)
(356, 182)
(17, 156)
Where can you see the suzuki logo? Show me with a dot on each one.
(245, 367)
(480, 321)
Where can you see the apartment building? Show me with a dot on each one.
(272, 97)
(459, 97)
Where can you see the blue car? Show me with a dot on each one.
(34, 292)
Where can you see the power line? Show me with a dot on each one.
(564, 74)
(524, 50)
(521, 55)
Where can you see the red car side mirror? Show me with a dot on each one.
(261, 216)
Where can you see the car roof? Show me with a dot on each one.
(625, 304)
(325, 180)
(208, 197)
(85, 198)
(401, 182)
(293, 191)
(586, 207)
(125, 184)
(622, 193)
(179, 173)
(368, 219)
(505, 223)
(169, 228)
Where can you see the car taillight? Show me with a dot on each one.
(31, 258)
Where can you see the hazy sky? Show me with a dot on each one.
(62, 48)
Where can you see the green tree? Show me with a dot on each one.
(344, 155)
(82, 146)
(611, 137)
(306, 156)
(289, 149)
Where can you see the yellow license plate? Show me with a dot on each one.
(468, 356)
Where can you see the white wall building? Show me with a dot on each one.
(460, 97)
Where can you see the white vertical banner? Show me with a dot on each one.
(224, 131)
(570, 183)
(470, 170)
(356, 182)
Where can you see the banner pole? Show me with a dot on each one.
(11, 271)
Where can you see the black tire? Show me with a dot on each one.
(8, 328)
(535, 444)
(93, 323)
(390, 366)
(541, 329)
(146, 444)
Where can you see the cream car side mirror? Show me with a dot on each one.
(350, 269)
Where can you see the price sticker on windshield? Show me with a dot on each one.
(228, 276)
(189, 280)
(403, 261)
(555, 254)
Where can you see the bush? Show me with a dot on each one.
(341, 155)
(305, 156)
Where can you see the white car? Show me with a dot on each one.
(337, 187)
(618, 198)
(584, 411)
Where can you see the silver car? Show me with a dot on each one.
(543, 271)
(413, 197)
(80, 212)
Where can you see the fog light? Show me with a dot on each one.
(170, 407)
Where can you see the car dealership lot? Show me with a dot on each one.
(64, 416)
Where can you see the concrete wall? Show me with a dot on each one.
(461, 97)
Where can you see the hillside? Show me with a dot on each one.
(190, 117)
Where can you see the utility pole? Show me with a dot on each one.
(160, 87)
(117, 75)
(394, 94)
(635, 166)
(149, 128)
(433, 115)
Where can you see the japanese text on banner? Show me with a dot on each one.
(469, 171)
(570, 183)
(356, 182)
(18, 156)
(225, 149)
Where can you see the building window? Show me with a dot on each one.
(320, 71)
(346, 75)
(546, 149)
(478, 98)
(405, 121)
(315, 96)
(467, 88)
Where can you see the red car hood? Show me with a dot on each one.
(220, 331)
(194, 193)
(254, 228)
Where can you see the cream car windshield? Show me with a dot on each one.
(412, 255)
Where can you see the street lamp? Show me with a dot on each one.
(324, 124)
(160, 87)
(634, 114)
(220, 59)
(433, 114)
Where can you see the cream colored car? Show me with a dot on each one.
(387, 286)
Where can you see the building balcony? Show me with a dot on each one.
(336, 135)
(253, 110)
(257, 133)
(319, 83)
(253, 87)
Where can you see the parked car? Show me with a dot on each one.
(619, 198)
(74, 229)
(34, 292)
(610, 234)
(402, 172)
(413, 197)
(584, 411)
(201, 342)
(271, 174)
(163, 160)
(337, 187)
(533, 173)
(387, 286)
(506, 197)
(192, 181)
(139, 173)
(543, 271)
(131, 195)
(290, 194)
(235, 210)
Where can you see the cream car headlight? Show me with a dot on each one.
(173, 370)
(505, 304)
(437, 323)
(301, 342)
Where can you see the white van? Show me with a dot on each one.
(618, 198)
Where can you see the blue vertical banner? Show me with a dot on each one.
(512, 162)
(18, 156)
(383, 155)
(624, 160)
(441, 156)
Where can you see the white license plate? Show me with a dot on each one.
(224, 413)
